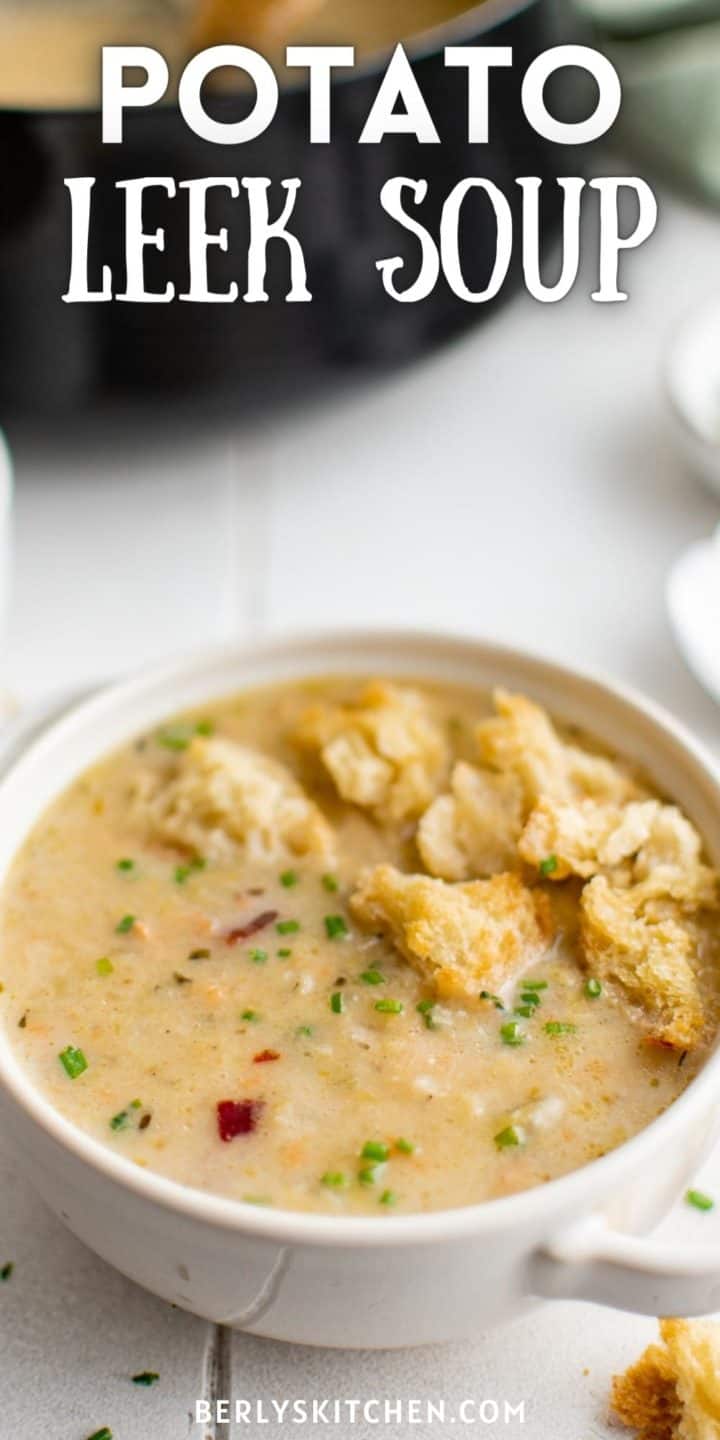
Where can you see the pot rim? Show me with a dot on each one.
(575, 1193)
(477, 20)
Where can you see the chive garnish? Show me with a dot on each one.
(136, 1104)
(512, 1034)
(372, 977)
(73, 1061)
(334, 1180)
(526, 1011)
(534, 984)
(337, 1002)
(405, 1147)
(178, 737)
(257, 1200)
(593, 988)
(388, 1197)
(284, 954)
(252, 1015)
(6, 1270)
(530, 997)
(125, 865)
(699, 1201)
(258, 957)
(335, 927)
(559, 1027)
(146, 1377)
(330, 883)
(374, 1150)
(304, 1030)
(549, 865)
(205, 728)
(389, 1007)
(425, 1008)
(287, 927)
(508, 1138)
(183, 872)
(289, 878)
(104, 965)
(103, 1434)
(368, 1174)
(119, 1121)
(125, 925)
(494, 999)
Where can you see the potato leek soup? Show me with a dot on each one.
(361, 947)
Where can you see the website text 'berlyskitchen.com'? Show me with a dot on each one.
(485, 1410)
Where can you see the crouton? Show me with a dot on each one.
(647, 956)
(669, 863)
(673, 1391)
(384, 752)
(220, 796)
(522, 740)
(474, 830)
(462, 938)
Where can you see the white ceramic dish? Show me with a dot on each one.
(693, 601)
(397, 1280)
(692, 383)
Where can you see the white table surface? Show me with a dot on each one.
(520, 484)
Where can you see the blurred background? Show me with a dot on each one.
(184, 474)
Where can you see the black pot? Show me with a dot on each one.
(58, 358)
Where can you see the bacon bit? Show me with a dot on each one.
(243, 932)
(264, 1055)
(238, 1117)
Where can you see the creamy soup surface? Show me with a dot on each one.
(50, 50)
(231, 975)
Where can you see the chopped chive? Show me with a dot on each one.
(257, 1200)
(593, 988)
(330, 883)
(103, 1434)
(388, 1197)
(73, 1061)
(530, 997)
(289, 878)
(699, 1201)
(369, 1173)
(287, 927)
(494, 999)
(146, 1377)
(199, 955)
(534, 984)
(512, 1034)
(124, 926)
(120, 1120)
(284, 954)
(337, 1002)
(389, 1007)
(258, 957)
(549, 865)
(104, 965)
(560, 1027)
(183, 872)
(508, 1138)
(136, 1104)
(125, 865)
(372, 977)
(425, 1008)
(335, 927)
(334, 1180)
(405, 1147)
(304, 1030)
(178, 737)
(374, 1150)
(6, 1270)
(526, 1011)
(252, 1015)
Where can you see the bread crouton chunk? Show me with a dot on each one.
(644, 843)
(647, 956)
(473, 830)
(462, 938)
(220, 796)
(673, 1391)
(523, 741)
(384, 752)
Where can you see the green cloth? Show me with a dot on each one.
(667, 53)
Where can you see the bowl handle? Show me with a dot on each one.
(635, 1273)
